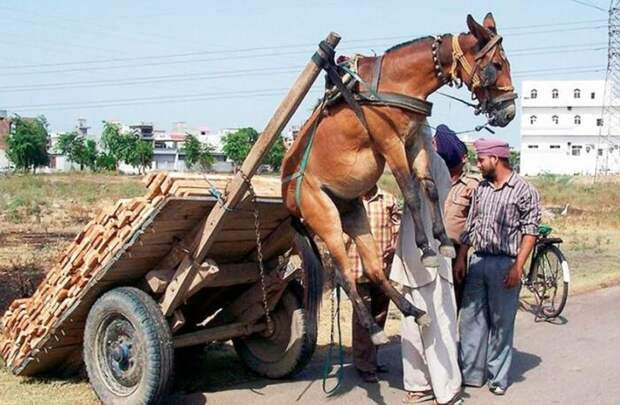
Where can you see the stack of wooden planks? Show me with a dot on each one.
(30, 320)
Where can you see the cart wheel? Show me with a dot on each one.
(128, 348)
(289, 348)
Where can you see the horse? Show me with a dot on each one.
(341, 151)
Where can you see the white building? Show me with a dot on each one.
(563, 130)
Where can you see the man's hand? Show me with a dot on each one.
(458, 272)
(514, 276)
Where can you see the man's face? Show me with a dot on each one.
(487, 166)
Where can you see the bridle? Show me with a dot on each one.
(482, 76)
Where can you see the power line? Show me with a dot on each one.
(278, 47)
(140, 80)
(588, 4)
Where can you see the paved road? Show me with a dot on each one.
(577, 362)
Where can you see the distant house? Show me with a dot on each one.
(563, 129)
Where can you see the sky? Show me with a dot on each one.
(228, 64)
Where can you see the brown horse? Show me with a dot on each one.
(346, 156)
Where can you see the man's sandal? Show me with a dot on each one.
(417, 397)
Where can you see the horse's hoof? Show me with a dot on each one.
(379, 338)
(423, 320)
(447, 251)
(430, 260)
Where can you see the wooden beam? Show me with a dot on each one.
(237, 187)
(219, 333)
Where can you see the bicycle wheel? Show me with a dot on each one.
(551, 279)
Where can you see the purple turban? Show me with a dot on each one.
(449, 146)
(492, 147)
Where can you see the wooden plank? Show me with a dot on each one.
(278, 241)
(218, 333)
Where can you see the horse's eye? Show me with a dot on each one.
(497, 66)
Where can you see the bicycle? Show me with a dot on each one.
(548, 276)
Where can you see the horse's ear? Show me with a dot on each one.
(489, 23)
(480, 32)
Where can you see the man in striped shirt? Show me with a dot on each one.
(502, 228)
(384, 219)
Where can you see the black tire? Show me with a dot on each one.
(289, 349)
(128, 348)
(550, 280)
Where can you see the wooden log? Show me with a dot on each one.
(219, 333)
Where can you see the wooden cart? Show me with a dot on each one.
(179, 267)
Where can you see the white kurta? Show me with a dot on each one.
(430, 358)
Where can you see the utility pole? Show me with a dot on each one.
(609, 132)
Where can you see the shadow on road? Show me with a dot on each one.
(521, 363)
(217, 368)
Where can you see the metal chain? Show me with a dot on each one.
(259, 250)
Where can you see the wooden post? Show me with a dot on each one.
(237, 188)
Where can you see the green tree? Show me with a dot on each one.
(113, 143)
(276, 154)
(138, 153)
(105, 161)
(90, 154)
(238, 144)
(197, 153)
(27, 143)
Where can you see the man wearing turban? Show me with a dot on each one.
(501, 227)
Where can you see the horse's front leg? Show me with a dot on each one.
(411, 189)
(421, 167)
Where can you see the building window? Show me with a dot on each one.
(599, 122)
(554, 146)
(577, 119)
(576, 150)
(577, 93)
(532, 119)
(532, 146)
(555, 93)
(533, 93)
(555, 119)
(600, 152)
(593, 95)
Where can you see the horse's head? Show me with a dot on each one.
(482, 65)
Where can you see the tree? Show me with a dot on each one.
(139, 153)
(238, 144)
(113, 143)
(197, 153)
(90, 154)
(27, 143)
(276, 154)
(67, 145)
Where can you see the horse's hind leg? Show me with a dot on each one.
(356, 225)
(422, 171)
(322, 216)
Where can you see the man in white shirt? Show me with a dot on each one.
(430, 356)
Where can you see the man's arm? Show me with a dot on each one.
(529, 218)
(466, 240)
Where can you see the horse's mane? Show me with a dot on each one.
(411, 42)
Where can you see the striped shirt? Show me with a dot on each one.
(500, 217)
(384, 218)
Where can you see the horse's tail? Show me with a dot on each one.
(313, 276)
